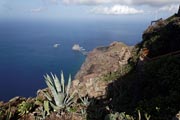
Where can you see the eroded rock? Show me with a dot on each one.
(99, 62)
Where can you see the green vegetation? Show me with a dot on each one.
(154, 86)
(141, 90)
(124, 116)
(154, 90)
(43, 111)
(171, 18)
(118, 116)
(61, 97)
(165, 73)
(162, 39)
(85, 101)
(25, 107)
(115, 75)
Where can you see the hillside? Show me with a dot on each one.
(153, 86)
(162, 37)
(116, 82)
(101, 66)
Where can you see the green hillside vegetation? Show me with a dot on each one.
(163, 37)
(147, 89)
(155, 90)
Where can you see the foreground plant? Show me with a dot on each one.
(24, 108)
(85, 100)
(61, 97)
(43, 111)
(118, 116)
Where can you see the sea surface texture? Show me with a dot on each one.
(29, 50)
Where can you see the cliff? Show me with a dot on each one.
(115, 82)
(163, 37)
(153, 85)
(100, 63)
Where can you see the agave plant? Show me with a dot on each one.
(61, 97)
(85, 100)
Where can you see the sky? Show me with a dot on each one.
(87, 9)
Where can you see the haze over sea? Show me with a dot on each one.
(27, 52)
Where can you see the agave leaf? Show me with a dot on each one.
(49, 78)
(68, 86)
(49, 82)
(47, 95)
(68, 104)
(70, 98)
(46, 107)
(52, 88)
(59, 99)
(57, 84)
(80, 98)
(55, 108)
(62, 81)
(52, 76)
(53, 81)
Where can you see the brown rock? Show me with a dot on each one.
(99, 62)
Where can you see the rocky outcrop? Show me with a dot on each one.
(162, 37)
(152, 86)
(99, 62)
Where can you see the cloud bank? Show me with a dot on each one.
(116, 10)
(125, 2)
(169, 8)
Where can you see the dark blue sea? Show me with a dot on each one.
(27, 52)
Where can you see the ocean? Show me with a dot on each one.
(27, 49)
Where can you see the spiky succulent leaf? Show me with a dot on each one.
(49, 82)
(55, 108)
(57, 84)
(47, 96)
(61, 97)
(51, 86)
(70, 98)
(46, 107)
(59, 100)
(68, 86)
(62, 81)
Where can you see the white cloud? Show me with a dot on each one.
(169, 8)
(125, 2)
(96, 2)
(155, 2)
(116, 10)
(36, 10)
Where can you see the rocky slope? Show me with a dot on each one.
(99, 63)
(118, 79)
(153, 85)
(162, 37)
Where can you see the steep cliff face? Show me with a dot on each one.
(154, 85)
(162, 37)
(100, 62)
(103, 60)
